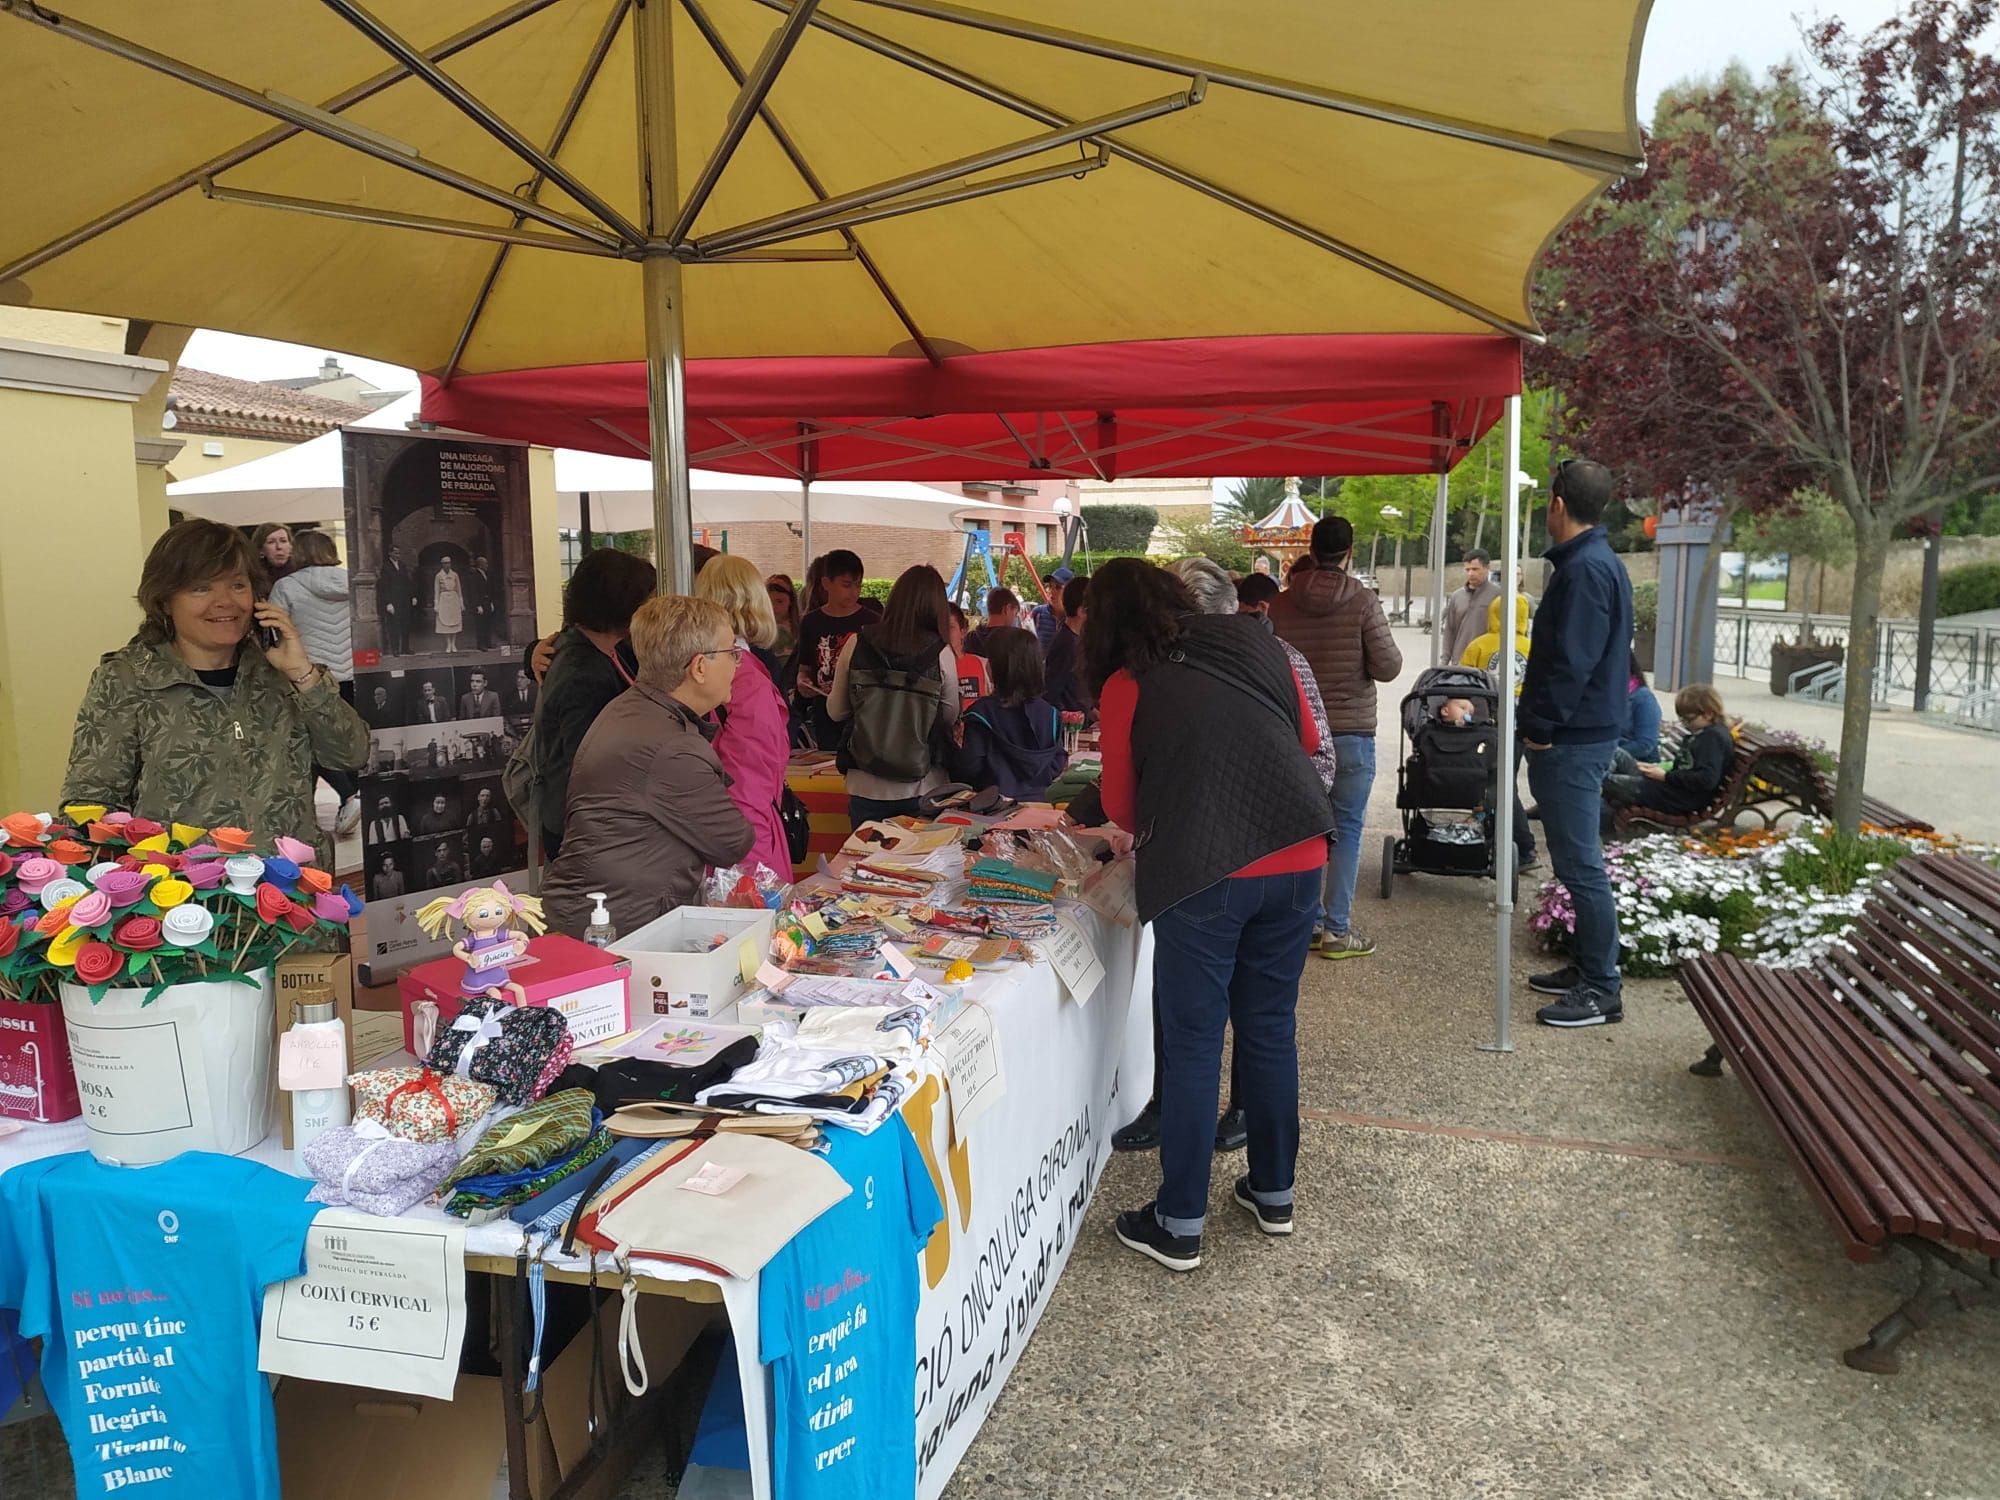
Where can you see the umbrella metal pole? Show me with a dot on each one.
(666, 328)
(1503, 801)
(1439, 519)
(806, 524)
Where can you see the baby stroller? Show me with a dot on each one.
(1444, 787)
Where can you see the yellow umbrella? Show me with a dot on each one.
(467, 185)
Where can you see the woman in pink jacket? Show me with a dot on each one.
(755, 742)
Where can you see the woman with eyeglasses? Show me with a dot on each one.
(649, 808)
(755, 744)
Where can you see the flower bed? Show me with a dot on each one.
(1779, 898)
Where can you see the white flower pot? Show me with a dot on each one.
(190, 1072)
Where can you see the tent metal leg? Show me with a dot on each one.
(666, 329)
(1438, 523)
(806, 525)
(1503, 801)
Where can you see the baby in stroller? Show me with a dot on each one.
(1450, 726)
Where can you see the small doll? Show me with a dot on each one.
(492, 917)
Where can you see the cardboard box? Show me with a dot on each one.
(36, 1082)
(588, 985)
(676, 973)
(338, 1442)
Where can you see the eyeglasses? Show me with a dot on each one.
(735, 651)
(1556, 479)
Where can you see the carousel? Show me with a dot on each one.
(1285, 534)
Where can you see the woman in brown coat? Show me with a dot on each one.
(649, 806)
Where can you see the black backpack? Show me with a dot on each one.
(893, 707)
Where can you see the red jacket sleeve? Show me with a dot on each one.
(1118, 788)
(1308, 730)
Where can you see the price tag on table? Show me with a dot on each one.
(311, 1059)
(1074, 957)
(970, 1050)
(381, 1305)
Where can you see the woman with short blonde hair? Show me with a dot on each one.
(755, 743)
(649, 807)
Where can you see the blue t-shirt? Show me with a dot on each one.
(146, 1285)
(837, 1313)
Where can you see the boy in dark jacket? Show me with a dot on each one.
(1700, 766)
(1013, 740)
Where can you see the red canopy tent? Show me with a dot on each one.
(1284, 404)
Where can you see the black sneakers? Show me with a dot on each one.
(1555, 982)
(1272, 1220)
(1139, 1229)
(1143, 1134)
(1586, 1005)
(1231, 1132)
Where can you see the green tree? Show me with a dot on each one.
(1120, 527)
(1815, 529)
(1250, 500)
(1218, 541)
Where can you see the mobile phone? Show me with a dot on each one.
(268, 636)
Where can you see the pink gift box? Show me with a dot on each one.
(588, 985)
(35, 1078)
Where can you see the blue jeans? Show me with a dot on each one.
(1568, 782)
(1353, 780)
(1230, 954)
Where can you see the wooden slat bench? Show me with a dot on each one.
(1768, 778)
(1878, 1069)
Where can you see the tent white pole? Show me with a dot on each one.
(666, 360)
(1503, 803)
(1438, 522)
(805, 525)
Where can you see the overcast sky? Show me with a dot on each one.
(1686, 38)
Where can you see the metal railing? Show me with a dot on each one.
(1965, 659)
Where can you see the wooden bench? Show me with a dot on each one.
(1770, 779)
(1879, 1070)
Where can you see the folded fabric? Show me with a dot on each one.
(638, 1080)
(363, 1166)
(878, 1100)
(420, 1104)
(491, 1195)
(520, 1050)
(1000, 880)
(781, 1071)
(539, 1134)
(886, 1031)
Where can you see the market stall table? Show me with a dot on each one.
(1015, 1190)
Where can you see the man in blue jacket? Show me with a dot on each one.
(1572, 713)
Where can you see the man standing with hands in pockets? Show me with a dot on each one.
(1571, 713)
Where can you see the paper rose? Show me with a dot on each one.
(187, 926)
(354, 902)
(84, 812)
(316, 881)
(274, 906)
(137, 829)
(22, 828)
(297, 852)
(124, 887)
(244, 870)
(102, 832)
(171, 893)
(62, 952)
(91, 910)
(203, 875)
(230, 840)
(98, 963)
(139, 934)
(201, 851)
(330, 908)
(15, 901)
(281, 871)
(6, 864)
(33, 873)
(57, 918)
(118, 818)
(69, 852)
(56, 892)
(10, 936)
(97, 871)
(185, 834)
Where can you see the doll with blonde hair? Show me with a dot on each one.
(492, 917)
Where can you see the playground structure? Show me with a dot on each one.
(1286, 533)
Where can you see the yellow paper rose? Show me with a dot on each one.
(157, 844)
(169, 894)
(156, 871)
(185, 835)
(84, 812)
(62, 952)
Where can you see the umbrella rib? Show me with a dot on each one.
(1082, 452)
(750, 95)
(1590, 158)
(83, 234)
(1068, 133)
(720, 48)
(1007, 99)
(593, 64)
(355, 213)
(915, 203)
(476, 110)
(304, 116)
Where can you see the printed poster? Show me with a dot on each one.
(440, 550)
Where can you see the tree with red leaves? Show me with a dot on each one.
(1804, 289)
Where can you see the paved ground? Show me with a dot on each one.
(1570, 1273)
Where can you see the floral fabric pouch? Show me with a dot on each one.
(518, 1049)
(420, 1104)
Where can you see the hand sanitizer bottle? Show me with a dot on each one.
(316, 1111)
(600, 933)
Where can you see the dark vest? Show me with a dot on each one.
(1223, 780)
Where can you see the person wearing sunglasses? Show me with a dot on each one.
(1571, 713)
(649, 807)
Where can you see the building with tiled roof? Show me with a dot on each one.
(202, 403)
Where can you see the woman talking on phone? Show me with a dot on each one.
(212, 714)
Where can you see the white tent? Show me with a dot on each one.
(306, 484)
